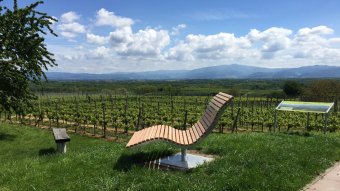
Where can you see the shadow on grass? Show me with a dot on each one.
(147, 159)
(297, 133)
(49, 151)
(7, 137)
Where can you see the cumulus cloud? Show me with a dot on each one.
(124, 41)
(100, 52)
(148, 42)
(311, 43)
(69, 17)
(274, 39)
(176, 30)
(107, 18)
(96, 39)
(319, 30)
(208, 47)
(69, 27)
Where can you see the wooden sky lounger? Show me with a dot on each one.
(184, 138)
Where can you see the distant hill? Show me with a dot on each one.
(233, 71)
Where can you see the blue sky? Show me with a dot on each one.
(125, 35)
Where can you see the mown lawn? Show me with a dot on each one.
(245, 161)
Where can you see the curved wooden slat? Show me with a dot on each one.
(189, 136)
(199, 129)
(221, 101)
(222, 97)
(216, 103)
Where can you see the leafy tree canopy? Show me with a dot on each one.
(23, 53)
(325, 88)
(292, 88)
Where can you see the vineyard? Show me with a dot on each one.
(114, 115)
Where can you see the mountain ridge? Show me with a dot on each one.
(233, 71)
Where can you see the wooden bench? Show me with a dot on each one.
(61, 138)
(184, 138)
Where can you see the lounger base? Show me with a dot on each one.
(175, 161)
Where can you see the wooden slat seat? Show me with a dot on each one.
(184, 138)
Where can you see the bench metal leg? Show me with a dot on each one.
(183, 154)
(61, 147)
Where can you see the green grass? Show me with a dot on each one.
(245, 161)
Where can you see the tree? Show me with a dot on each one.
(292, 88)
(23, 53)
(325, 89)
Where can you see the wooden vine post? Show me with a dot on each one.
(139, 117)
(104, 118)
(125, 115)
(234, 128)
(185, 120)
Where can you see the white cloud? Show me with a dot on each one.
(217, 46)
(69, 17)
(319, 30)
(148, 42)
(72, 27)
(175, 30)
(69, 27)
(107, 18)
(100, 52)
(96, 39)
(274, 39)
(334, 41)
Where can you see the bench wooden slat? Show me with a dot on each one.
(207, 111)
(185, 137)
(194, 137)
(225, 95)
(178, 138)
(153, 132)
(137, 138)
(133, 138)
(157, 132)
(207, 120)
(211, 119)
(182, 135)
(201, 128)
(216, 103)
(203, 124)
(187, 132)
(171, 134)
(221, 101)
(212, 112)
(222, 97)
(213, 106)
(145, 134)
(166, 132)
(161, 131)
(193, 129)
